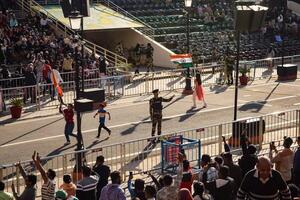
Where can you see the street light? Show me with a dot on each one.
(188, 85)
(76, 23)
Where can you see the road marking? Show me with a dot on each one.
(296, 104)
(146, 121)
(246, 95)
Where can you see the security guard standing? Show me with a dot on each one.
(156, 111)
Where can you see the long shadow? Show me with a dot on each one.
(29, 132)
(94, 143)
(218, 88)
(208, 77)
(132, 164)
(174, 81)
(146, 119)
(190, 112)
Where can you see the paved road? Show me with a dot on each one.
(131, 120)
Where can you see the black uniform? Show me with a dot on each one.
(156, 113)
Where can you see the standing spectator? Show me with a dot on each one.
(223, 185)
(187, 176)
(103, 64)
(270, 56)
(30, 80)
(263, 183)
(296, 165)
(68, 114)
(4, 195)
(44, 22)
(235, 171)
(48, 187)
(199, 192)
(30, 189)
(156, 111)
(184, 194)
(67, 65)
(113, 191)
(149, 57)
(56, 80)
(150, 192)
(248, 160)
(284, 159)
(138, 191)
(138, 52)
(13, 22)
(38, 67)
(198, 91)
(207, 172)
(103, 171)
(68, 186)
(170, 191)
(47, 78)
(87, 187)
(5, 74)
(102, 114)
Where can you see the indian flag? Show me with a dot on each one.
(185, 60)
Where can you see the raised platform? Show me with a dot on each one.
(101, 18)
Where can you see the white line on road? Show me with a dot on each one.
(144, 121)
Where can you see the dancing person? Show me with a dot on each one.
(68, 114)
(198, 91)
(102, 114)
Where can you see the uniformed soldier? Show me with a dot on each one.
(156, 111)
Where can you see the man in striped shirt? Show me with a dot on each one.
(263, 183)
(87, 187)
(48, 187)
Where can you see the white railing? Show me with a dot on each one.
(32, 6)
(140, 155)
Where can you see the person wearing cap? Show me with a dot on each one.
(296, 164)
(156, 111)
(62, 195)
(102, 114)
(283, 160)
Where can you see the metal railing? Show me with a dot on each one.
(141, 155)
(31, 6)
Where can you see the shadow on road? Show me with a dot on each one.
(190, 112)
(94, 143)
(218, 88)
(29, 132)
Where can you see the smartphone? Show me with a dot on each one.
(130, 173)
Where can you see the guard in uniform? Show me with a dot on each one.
(156, 111)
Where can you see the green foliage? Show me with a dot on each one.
(244, 70)
(16, 102)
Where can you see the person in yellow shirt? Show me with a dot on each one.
(67, 64)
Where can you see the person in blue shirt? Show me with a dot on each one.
(102, 114)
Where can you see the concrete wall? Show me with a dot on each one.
(129, 38)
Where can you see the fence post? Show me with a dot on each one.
(122, 160)
(220, 139)
(1, 173)
(64, 163)
(37, 97)
(292, 59)
(18, 180)
(297, 123)
(260, 133)
(152, 82)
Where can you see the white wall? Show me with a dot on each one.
(295, 7)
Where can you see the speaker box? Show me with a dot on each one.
(84, 105)
(97, 95)
(66, 7)
(83, 6)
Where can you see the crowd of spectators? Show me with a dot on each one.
(252, 177)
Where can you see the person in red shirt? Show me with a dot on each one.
(68, 113)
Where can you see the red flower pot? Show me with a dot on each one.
(15, 112)
(243, 80)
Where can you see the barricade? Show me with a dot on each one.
(141, 155)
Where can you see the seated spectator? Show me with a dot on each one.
(150, 192)
(170, 191)
(87, 187)
(113, 191)
(296, 164)
(223, 185)
(62, 195)
(68, 186)
(199, 192)
(263, 183)
(30, 188)
(48, 187)
(248, 160)
(103, 171)
(184, 194)
(208, 172)
(4, 195)
(284, 159)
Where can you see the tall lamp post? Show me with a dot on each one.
(76, 22)
(283, 30)
(188, 84)
(248, 18)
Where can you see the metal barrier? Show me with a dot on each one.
(141, 155)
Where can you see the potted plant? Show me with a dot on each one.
(16, 107)
(244, 79)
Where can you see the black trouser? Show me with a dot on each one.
(156, 120)
(102, 125)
